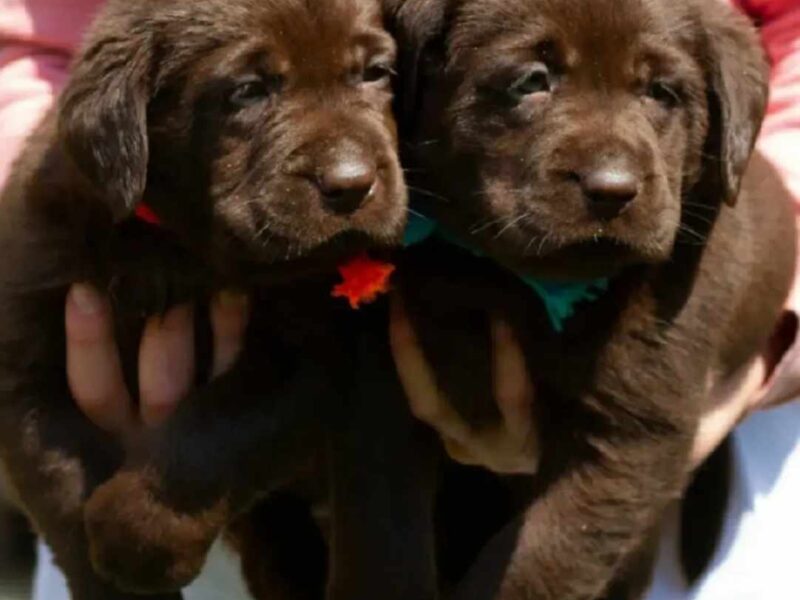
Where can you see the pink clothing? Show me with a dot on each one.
(38, 36)
(780, 138)
(779, 21)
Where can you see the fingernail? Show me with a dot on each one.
(397, 308)
(501, 327)
(86, 299)
(232, 300)
(178, 317)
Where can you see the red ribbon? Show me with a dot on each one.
(144, 213)
(363, 279)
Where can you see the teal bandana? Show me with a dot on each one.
(559, 298)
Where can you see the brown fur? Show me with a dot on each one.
(240, 123)
(671, 94)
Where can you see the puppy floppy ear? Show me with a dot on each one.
(738, 92)
(102, 120)
(419, 26)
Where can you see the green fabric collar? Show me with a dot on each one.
(559, 298)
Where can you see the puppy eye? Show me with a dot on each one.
(253, 90)
(377, 73)
(537, 81)
(663, 93)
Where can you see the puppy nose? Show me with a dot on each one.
(347, 182)
(609, 190)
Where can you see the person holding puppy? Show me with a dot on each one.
(36, 41)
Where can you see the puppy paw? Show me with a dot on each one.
(139, 544)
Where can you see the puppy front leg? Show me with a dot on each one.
(633, 580)
(54, 457)
(151, 526)
(591, 519)
(382, 465)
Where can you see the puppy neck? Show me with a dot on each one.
(560, 299)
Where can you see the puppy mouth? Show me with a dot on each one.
(280, 261)
(270, 247)
(297, 227)
(601, 240)
(379, 223)
(533, 223)
(590, 250)
(612, 251)
(333, 248)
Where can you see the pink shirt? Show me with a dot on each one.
(37, 37)
(36, 40)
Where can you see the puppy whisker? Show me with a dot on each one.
(694, 237)
(509, 225)
(486, 224)
(700, 206)
(428, 193)
(423, 143)
(703, 218)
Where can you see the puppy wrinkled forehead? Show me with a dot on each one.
(322, 36)
(310, 32)
(224, 21)
(591, 28)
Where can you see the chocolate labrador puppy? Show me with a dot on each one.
(599, 151)
(199, 145)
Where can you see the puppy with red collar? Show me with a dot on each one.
(261, 139)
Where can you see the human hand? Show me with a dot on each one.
(771, 379)
(166, 357)
(514, 446)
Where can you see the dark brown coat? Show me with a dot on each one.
(261, 134)
(573, 140)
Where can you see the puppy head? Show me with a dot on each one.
(264, 128)
(573, 130)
